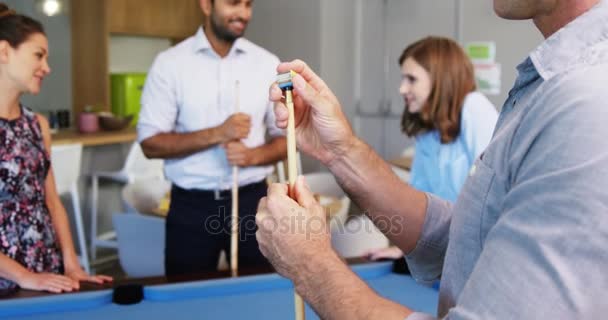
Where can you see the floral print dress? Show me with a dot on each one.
(26, 231)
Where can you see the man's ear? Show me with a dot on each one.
(206, 7)
(4, 51)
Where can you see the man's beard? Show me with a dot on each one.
(223, 33)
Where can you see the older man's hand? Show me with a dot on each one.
(291, 234)
(322, 128)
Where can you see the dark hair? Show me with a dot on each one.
(452, 78)
(16, 28)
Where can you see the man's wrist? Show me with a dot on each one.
(349, 148)
(311, 266)
(220, 135)
(253, 157)
(211, 136)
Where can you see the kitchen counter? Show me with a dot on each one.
(93, 139)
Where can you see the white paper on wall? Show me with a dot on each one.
(487, 77)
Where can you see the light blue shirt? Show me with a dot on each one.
(442, 168)
(190, 87)
(528, 235)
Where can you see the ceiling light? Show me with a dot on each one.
(50, 7)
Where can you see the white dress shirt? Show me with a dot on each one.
(190, 87)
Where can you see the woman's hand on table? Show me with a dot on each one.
(47, 282)
(392, 253)
(78, 274)
(74, 271)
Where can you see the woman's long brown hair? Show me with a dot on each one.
(452, 78)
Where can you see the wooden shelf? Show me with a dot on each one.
(94, 139)
(173, 19)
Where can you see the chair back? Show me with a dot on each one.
(141, 244)
(65, 161)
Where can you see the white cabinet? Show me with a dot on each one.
(385, 28)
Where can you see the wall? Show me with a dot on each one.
(319, 32)
(291, 30)
(288, 28)
(378, 103)
(514, 39)
(135, 54)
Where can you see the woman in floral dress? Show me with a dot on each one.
(36, 248)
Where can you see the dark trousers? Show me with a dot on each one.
(198, 228)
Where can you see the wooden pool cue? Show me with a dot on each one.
(234, 239)
(284, 82)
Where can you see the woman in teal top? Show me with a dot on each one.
(452, 123)
(442, 168)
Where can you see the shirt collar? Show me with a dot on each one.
(201, 43)
(569, 46)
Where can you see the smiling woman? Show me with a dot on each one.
(36, 249)
(30, 64)
(451, 122)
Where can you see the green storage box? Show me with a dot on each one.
(126, 94)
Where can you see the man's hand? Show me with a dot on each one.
(295, 238)
(322, 129)
(239, 154)
(291, 234)
(236, 127)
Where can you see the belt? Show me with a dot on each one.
(219, 194)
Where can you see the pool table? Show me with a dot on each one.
(265, 296)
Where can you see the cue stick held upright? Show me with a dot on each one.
(234, 234)
(285, 84)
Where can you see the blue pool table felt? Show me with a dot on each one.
(266, 296)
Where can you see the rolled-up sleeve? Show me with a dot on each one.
(426, 260)
(269, 118)
(159, 103)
